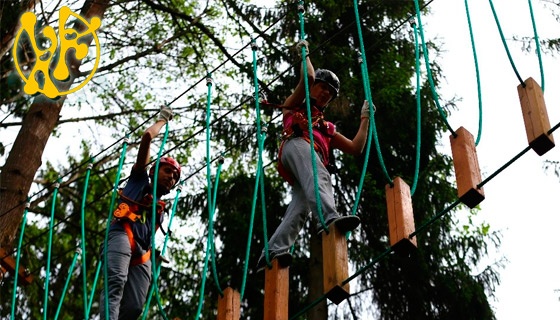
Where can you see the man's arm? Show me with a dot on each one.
(297, 97)
(143, 157)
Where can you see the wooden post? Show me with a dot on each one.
(229, 305)
(335, 265)
(276, 292)
(535, 117)
(401, 216)
(467, 171)
(9, 263)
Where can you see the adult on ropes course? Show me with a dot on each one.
(128, 247)
(296, 163)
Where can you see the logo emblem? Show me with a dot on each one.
(50, 66)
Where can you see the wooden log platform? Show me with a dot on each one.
(401, 217)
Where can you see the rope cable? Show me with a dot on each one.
(83, 240)
(47, 274)
(18, 257)
(429, 70)
(478, 87)
(309, 118)
(108, 225)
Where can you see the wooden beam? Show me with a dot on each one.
(467, 170)
(335, 265)
(229, 305)
(276, 291)
(8, 263)
(535, 116)
(401, 216)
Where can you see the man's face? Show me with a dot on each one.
(167, 176)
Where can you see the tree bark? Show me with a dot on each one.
(320, 311)
(25, 157)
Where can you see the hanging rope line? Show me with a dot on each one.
(154, 216)
(83, 240)
(76, 255)
(259, 179)
(47, 275)
(209, 196)
(301, 10)
(418, 110)
(429, 70)
(478, 87)
(108, 224)
(367, 90)
(507, 48)
(164, 248)
(537, 44)
(18, 257)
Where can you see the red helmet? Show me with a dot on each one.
(170, 161)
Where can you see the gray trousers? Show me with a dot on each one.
(128, 285)
(296, 157)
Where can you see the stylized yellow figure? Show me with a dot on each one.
(68, 39)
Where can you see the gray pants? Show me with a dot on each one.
(296, 157)
(128, 285)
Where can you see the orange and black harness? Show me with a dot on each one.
(130, 211)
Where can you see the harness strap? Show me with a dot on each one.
(135, 260)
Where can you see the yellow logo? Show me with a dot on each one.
(58, 47)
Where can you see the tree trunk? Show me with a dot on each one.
(25, 157)
(7, 39)
(320, 311)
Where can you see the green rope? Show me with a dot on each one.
(429, 70)
(259, 179)
(164, 248)
(48, 271)
(209, 195)
(76, 255)
(18, 257)
(109, 218)
(504, 43)
(479, 134)
(211, 227)
(83, 241)
(367, 91)
(418, 112)
(154, 223)
(92, 295)
(538, 45)
(309, 120)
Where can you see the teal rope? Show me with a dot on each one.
(211, 228)
(154, 213)
(91, 296)
(51, 227)
(504, 43)
(429, 70)
(367, 90)
(418, 112)
(16, 273)
(259, 179)
(83, 241)
(538, 45)
(111, 206)
(479, 134)
(209, 194)
(309, 120)
(76, 255)
(163, 250)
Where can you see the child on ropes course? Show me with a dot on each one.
(295, 164)
(129, 239)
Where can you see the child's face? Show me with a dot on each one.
(322, 93)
